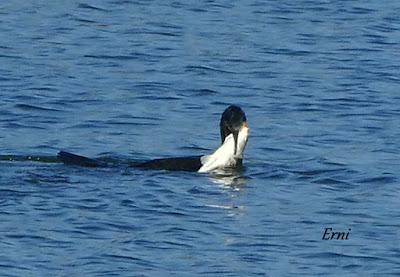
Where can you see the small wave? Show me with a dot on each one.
(112, 57)
(166, 34)
(316, 172)
(127, 258)
(90, 7)
(333, 255)
(204, 92)
(378, 180)
(129, 57)
(11, 57)
(12, 125)
(203, 69)
(27, 107)
(287, 52)
(124, 123)
(8, 193)
(50, 89)
(330, 181)
(82, 20)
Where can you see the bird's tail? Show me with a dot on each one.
(72, 159)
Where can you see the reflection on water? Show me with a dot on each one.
(228, 177)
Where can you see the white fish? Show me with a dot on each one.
(224, 156)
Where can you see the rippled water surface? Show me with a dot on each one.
(134, 80)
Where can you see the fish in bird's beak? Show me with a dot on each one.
(240, 137)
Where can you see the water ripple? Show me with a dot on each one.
(127, 80)
(27, 107)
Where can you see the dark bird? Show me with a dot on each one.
(234, 134)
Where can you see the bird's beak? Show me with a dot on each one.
(235, 138)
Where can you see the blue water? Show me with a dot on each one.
(134, 80)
